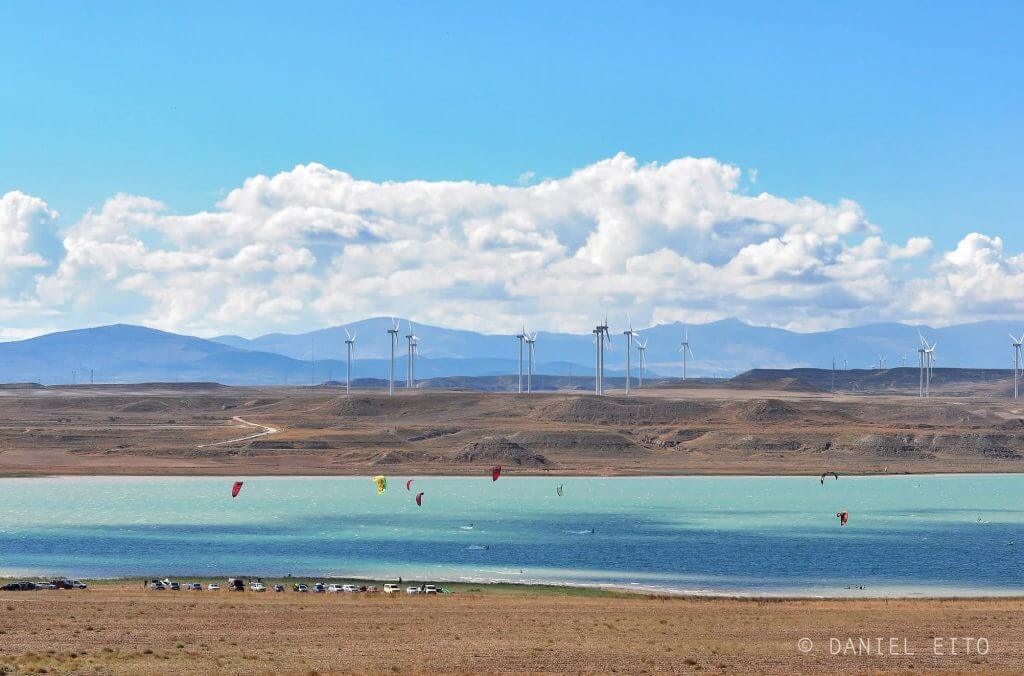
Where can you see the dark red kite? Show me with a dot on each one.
(408, 484)
(236, 488)
(843, 516)
(419, 499)
(495, 473)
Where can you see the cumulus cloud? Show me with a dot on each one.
(23, 218)
(314, 246)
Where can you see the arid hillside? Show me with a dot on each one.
(211, 429)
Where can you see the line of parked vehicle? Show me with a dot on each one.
(238, 584)
(61, 583)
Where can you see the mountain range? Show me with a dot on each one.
(127, 353)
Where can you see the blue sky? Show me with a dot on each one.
(910, 109)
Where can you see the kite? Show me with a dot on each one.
(382, 484)
(236, 488)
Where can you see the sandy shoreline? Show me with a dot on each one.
(115, 628)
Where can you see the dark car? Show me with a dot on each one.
(20, 586)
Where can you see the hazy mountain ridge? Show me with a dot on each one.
(127, 353)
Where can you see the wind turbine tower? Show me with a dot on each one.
(521, 337)
(350, 344)
(685, 348)
(412, 339)
(628, 333)
(641, 347)
(531, 343)
(920, 372)
(1016, 363)
(927, 360)
(393, 335)
(601, 334)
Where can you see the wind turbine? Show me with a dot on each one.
(393, 335)
(412, 340)
(601, 334)
(1016, 363)
(641, 347)
(881, 363)
(927, 359)
(350, 343)
(531, 343)
(521, 337)
(628, 333)
(685, 348)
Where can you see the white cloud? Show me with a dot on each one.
(22, 218)
(315, 246)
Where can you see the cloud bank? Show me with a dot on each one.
(315, 246)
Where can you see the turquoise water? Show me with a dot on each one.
(907, 535)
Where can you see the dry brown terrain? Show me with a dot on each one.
(124, 630)
(193, 429)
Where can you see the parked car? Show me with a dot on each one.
(334, 588)
(349, 588)
(300, 587)
(429, 589)
(78, 584)
(193, 586)
(371, 590)
(175, 586)
(157, 585)
(391, 589)
(236, 584)
(213, 586)
(319, 588)
(279, 587)
(257, 587)
(20, 586)
(413, 590)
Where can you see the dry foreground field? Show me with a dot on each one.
(211, 429)
(119, 628)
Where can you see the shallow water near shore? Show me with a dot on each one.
(939, 535)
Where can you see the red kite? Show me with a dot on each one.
(419, 499)
(236, 488)
(843, 516)
(408, 484)
(495, 473)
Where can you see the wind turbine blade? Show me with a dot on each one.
(349, 335)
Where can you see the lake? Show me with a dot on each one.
(907, 535)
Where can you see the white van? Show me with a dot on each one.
(391, 589)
